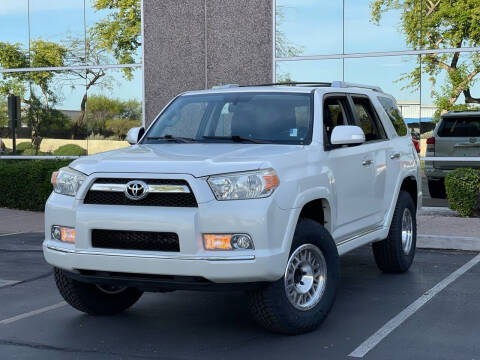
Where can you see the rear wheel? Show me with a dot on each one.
(95, 299)
(436, 188)
(302, 298)
(395, 254)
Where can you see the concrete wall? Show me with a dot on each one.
(195, 44)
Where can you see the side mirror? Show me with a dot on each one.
(135, 134)
(346, 135)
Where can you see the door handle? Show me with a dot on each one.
(367, 162)
(395, 156)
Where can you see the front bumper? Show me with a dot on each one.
(270, 227)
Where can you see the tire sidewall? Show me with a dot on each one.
(311, 232)
(404, 201)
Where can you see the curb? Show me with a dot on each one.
(448, 242)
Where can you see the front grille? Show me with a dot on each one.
(152, 199)
(135, 240)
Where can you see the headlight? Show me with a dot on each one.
(246, 185)
(67, 181)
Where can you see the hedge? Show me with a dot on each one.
(70, 150)
(23, 146)
(463, 188)
(25, 184)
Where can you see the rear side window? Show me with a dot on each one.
(459, 127)
(367, 119)
(394, 115)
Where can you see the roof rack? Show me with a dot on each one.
(337, 84)
(292, 83)
(226, 86)
(342, 84)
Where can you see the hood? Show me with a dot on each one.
(200, 159)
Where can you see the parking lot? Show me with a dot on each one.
(35, 323)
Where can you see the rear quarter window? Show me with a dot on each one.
(394, 115)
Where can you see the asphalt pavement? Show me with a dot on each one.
(36, 324)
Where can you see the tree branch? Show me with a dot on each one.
(456, 55)
(463, 86)
(435, 60)
(469, 99)
(432, 7)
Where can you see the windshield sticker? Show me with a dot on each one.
(293, 132)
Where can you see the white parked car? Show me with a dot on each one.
(254, 188)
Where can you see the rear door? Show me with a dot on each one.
(458, 135)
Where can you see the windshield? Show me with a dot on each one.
(282, 118)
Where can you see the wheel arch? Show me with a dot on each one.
(318, 210)
(410, 185)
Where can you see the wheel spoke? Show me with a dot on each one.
(305, 277)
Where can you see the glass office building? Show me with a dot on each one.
(75, 86)
(412, 51)
(79, 86)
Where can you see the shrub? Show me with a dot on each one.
(26, 183)
(463, 188)
(23, 146)
(70, 150)
(32, 151)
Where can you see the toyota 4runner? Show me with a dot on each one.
(254, 188)
(457, 134)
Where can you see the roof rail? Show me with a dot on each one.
(292, 83)
(342, 84)
(226, 86)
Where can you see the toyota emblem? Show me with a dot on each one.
(136, 190)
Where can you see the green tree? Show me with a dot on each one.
(101, 109)
(3, 112)
(42, 54)
(13, 56)
(113, 114)
(46, 54)
(120, 32)
(90, 52)
(447, 24)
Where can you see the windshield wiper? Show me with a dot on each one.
(236, 138)
(171, 138)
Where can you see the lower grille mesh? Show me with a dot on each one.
(135, 240)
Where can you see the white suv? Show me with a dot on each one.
(253, 188)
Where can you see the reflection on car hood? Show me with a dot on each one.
(198, 159)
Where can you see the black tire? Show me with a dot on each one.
(91, 299)
(436, 188)
(270, 305)
(389, 253)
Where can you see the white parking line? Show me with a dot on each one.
(16, 233)
(7, 282)
(381, 334)
(32, 313)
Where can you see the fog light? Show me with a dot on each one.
(227, 241)
(62, 233)
(242, 241)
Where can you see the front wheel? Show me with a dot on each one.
(302, 298)
(395, 254)
(95, 299)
